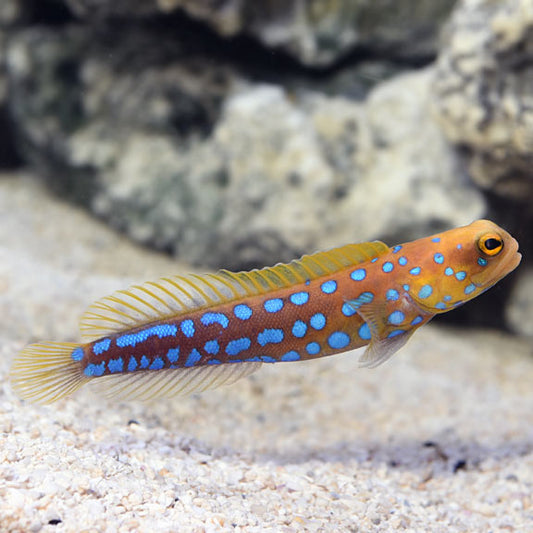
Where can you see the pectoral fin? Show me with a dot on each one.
(390, 322)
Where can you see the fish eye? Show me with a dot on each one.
(490, 244)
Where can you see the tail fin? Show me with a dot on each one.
(46, 372)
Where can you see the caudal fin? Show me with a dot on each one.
(45, 372)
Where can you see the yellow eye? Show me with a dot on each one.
(490, 244)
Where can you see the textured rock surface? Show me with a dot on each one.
(439, 439)
(484, 92)
(315, 32)
(221, 172)
(520, 309)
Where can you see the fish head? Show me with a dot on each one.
(451, 268)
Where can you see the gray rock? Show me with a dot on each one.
(226, 173)
(519, 312)
(315, 32)
(484, 92)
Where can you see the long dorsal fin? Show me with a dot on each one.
(177, 295)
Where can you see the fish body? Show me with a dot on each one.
(189, 333)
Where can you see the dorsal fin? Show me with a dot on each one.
(176, 295)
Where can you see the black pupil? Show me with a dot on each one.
(492, 244)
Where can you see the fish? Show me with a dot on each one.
(189, 333)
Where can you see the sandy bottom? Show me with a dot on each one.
(439, 439)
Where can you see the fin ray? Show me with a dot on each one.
(177, 295)
(168, 383)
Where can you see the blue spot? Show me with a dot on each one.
(402, 261)
(396, 318)
(416, 320)
(173, 355)
(448, 271)
(313, 348)
(406, 287)
(101, 346)
(144, 362)
(215, 318)
(329, 286)
(397, 248)
(211, 347)
(435, 239)
(415, 271)
(440, 305)
(242, 311)
(237, 346)
(77, 354)
(387, 267)
(317, 321)
(359, 274)
(94, 370)
(299, 329)
(307, 281)
(187, 327)
(213, 362)
(254, 359)
(115, 365)
(157, 364)
(470, 288)
(364, 298)
(338, 340)
(395, 332)
(193, 358)
(270, 335)
(161, 331)
(268, 359)
(461, 275)
(447, 298)
(348, 309)
(392, 295)
(425, 292)
(374, 260)
(274, 305)
(299, 298)
(132, 364)
(459, 246)
(364, 332)
(482, 262)
(290, 356)
(438, 258)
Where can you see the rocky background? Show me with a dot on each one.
(240, 134)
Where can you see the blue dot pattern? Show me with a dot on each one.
(215, 318)
(469, 289)
(236, 346)
(392, 295)
(438, 258)
(187, 328)
(415, 271)
(101, 346)
(329, 287)
(358, 274)
(115, 365)
(242, 311)
(425, 292)
(193, 358)
(274, 305)
(396, 318)
(313, 348)
(364, 332)
(338, 340)
(211, 347)
(290, 356)
(318, 321)
(387, 267)
(161, 331)
(299, 298)
(299, 329)
(77, 354)
(270, 335)
(402, 261)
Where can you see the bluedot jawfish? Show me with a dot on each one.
(190, 333)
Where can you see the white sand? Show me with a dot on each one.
(439, 439)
